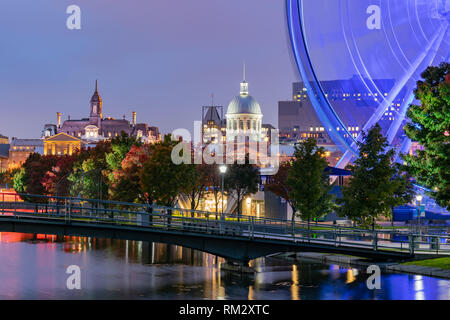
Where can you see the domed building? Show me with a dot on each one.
(244, 116)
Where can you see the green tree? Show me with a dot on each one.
(88, 179)
(29, 179)
(430, 127)
(376, 184)
(20, 180)
(309, 184)
(161, 180)
(120, 146)
(7, 177)
(196, 184)
(278, 185)
(241, 180)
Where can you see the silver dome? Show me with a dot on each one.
(244, 104)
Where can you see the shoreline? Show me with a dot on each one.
(352, 261)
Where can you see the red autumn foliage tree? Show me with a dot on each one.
(55, 180)
(125, 181)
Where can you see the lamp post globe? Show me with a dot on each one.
(223, 170)
(418, 200)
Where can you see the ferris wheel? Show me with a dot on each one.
(367, 40)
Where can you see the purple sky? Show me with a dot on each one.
(160, 58)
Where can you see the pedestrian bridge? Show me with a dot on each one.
(234, 238)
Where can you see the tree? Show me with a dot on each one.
(7, 177)
(308, 181)
(196, 184)
(278, 185)
(125, 184)
(29, 179)
(120, 146)
(88, 179)
(161, 180)
(55, 180)
(213, 182)
(241, 180)
(430, 127)
(376, 184)
(20, 181)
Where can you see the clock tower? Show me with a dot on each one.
(96, 114)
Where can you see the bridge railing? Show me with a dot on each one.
(144, 215)
(100, 204)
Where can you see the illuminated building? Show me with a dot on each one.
(20, 149)
(4, 139)
(213, 123)
(4, 153)
(62, 144)
(244, 115)
(97, 128)
(243, 119)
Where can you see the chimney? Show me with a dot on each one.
(58, 117)
(133, 117)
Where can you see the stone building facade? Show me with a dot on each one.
(98, 128)
(62, 144)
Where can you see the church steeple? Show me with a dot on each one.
(96, 104)
(244, 85)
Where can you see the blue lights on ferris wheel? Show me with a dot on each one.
(382, 46)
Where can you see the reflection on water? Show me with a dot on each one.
(33, 267)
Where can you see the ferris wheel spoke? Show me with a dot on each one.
(403, 37)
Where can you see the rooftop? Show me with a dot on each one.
(4, 150)
(27, 142)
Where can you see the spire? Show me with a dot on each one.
(244, 85)
(96, 96)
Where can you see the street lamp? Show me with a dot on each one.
(418, 200)
(223, 170)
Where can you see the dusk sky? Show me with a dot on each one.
(160, 58)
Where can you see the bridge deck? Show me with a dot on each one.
(238, 238)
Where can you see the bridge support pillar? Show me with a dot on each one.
(237, 266)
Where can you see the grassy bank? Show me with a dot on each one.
(443, 263)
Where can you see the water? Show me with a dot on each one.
(34, 267)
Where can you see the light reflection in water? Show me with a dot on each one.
(350, 276)
(33, 267)
(295, 289)
(418, 287)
